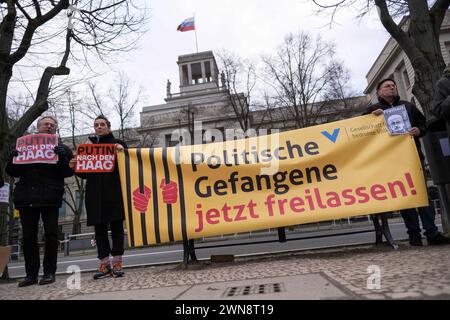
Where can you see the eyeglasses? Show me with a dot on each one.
(47, 124)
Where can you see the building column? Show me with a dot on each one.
(202, 64)
(189, 74)
(401, 88)
(180, 72)
(214, 76)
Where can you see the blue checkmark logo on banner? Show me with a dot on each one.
(332, 137)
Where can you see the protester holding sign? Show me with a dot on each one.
(388, 98)
(104, 204)
(38, 193)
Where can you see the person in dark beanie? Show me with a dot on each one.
(441, 99)
(388, 98)
(39, 193)
(104, 205)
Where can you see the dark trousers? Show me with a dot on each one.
(102, 240)
(29, 218)
(427, 215)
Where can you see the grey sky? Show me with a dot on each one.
(249, 28)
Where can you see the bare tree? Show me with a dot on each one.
(74, 189)
(303, 75)
(417, 34)
(95, 28)
(124, 103)
(147, 137)
(120, 101)
(341, 100)
(97, 103)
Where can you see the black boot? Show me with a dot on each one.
(415, 239)
(47, 279)
(28, 281)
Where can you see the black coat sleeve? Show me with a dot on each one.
(441, 99)
(123, 143)
(63, 162)
(12, 169)
(368, 110)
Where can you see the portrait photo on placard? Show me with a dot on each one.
(397, 120)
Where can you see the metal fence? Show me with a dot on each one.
(85, 242)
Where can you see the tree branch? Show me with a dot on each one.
(67, 51)
(7, 31)
(40, 104)
(38, 8)
(103, 8)
(23, 11)
(387, 20)
(31, 28)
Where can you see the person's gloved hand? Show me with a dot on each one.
(60, 151)
(13, 153)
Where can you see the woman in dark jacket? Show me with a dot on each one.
(104, 205)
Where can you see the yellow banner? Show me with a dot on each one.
(336, 170)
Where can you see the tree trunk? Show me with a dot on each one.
(426, 60)
(420, 42)
(5, 77)
(76, 225)
(425, 78)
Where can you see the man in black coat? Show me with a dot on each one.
(388, 98)
(441, 99)
(104, 205)
(38, 193)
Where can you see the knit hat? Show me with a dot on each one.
(383, 81)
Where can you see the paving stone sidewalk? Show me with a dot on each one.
(344, 273)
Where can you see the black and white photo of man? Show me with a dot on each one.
(397, 120)
(396, 124)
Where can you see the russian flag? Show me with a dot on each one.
(187, 25)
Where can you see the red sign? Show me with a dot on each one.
(36, 148)
(95, 157)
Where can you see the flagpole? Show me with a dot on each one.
(195, 30)
(196, 43)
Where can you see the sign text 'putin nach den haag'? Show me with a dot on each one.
(36, 148)
(95, 157)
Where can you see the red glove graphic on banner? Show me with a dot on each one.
(169, 191)
(140, 200)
